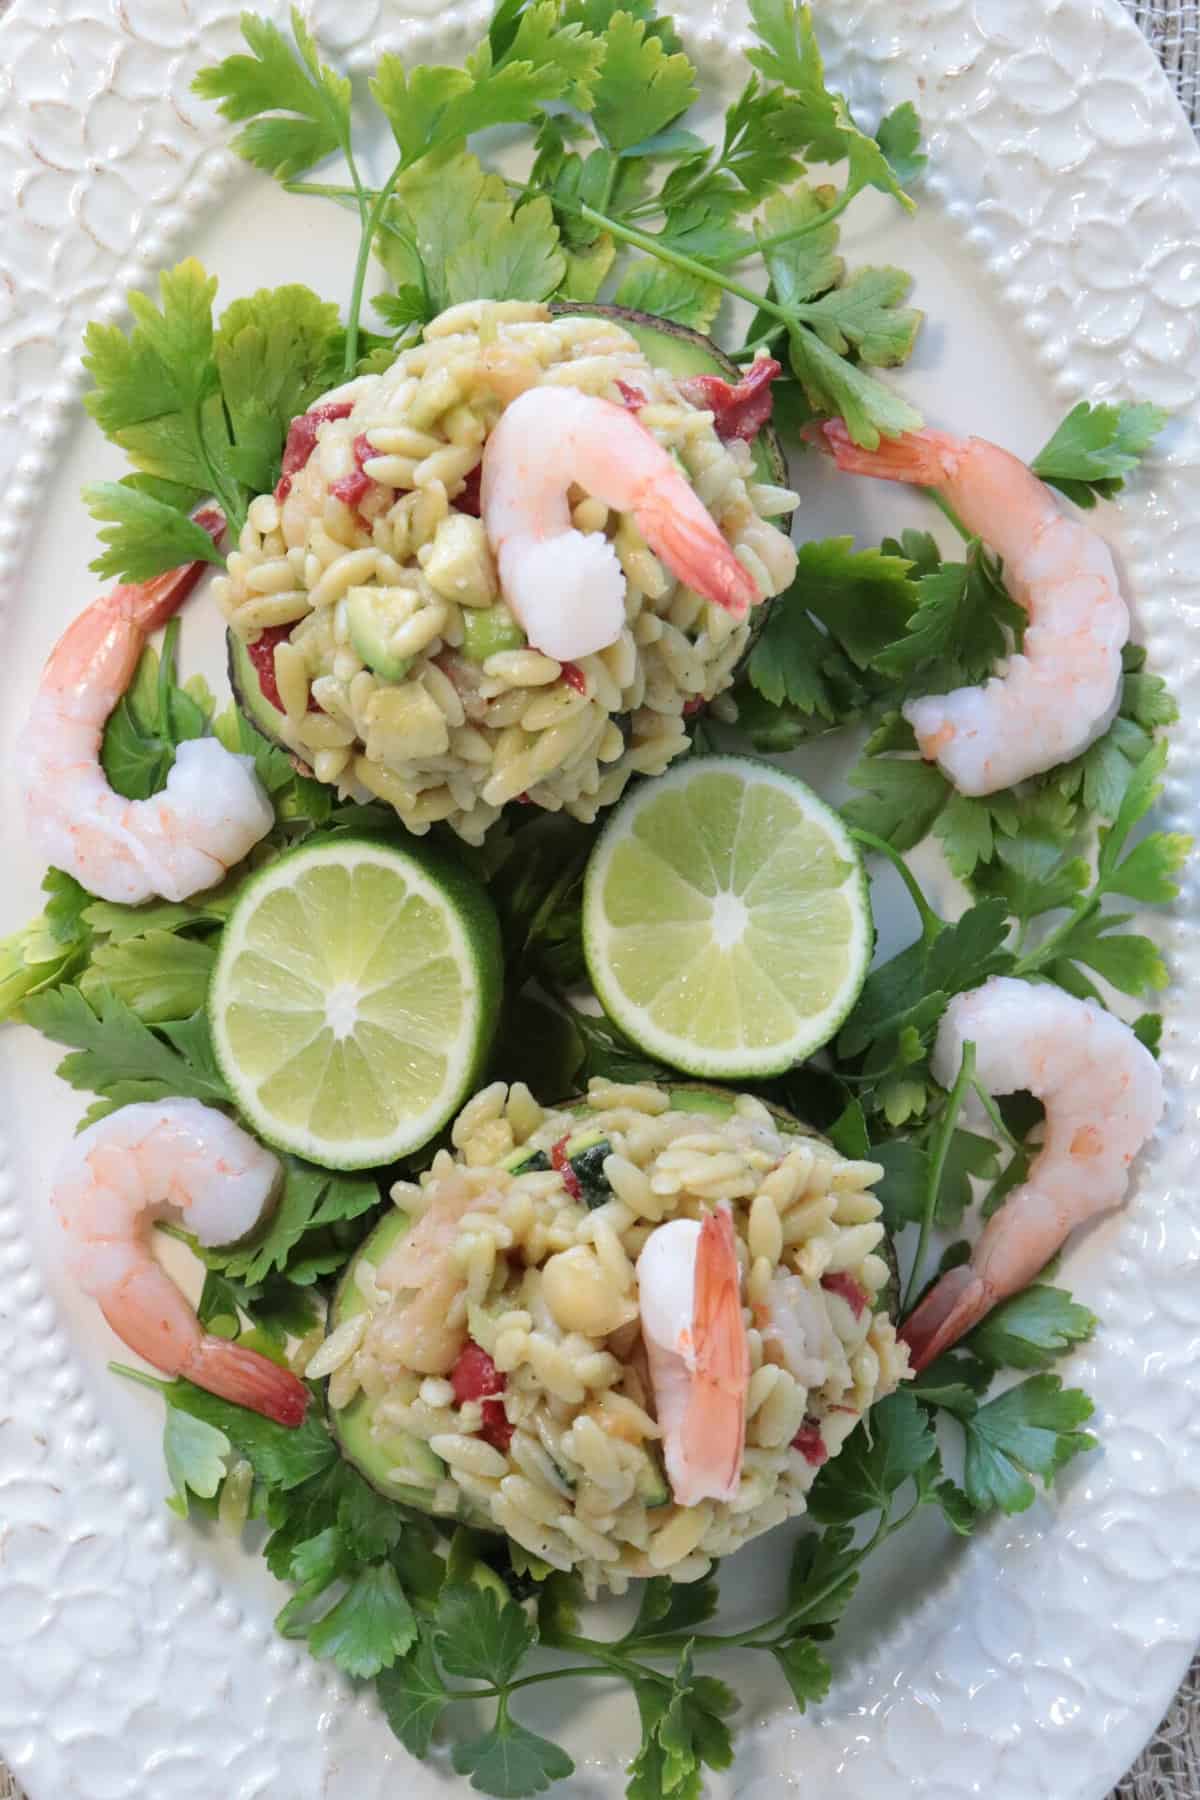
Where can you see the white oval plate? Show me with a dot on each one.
(1055, 254)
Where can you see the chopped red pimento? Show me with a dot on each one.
(739, 410)
(496, 1429)
(468, 500)
(302, 441)
(691, 707)
(574, 677)
(364, 449)
(809, 1442)
(856, 1297)
(524, 800)
(562, 1162)
(352, 489)
(632, 396)
(262, 655)
(475, 1377)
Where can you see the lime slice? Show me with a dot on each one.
(354, 998)
(726, 922)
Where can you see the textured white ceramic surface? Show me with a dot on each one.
(1055, 252)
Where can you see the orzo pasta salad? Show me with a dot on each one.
(385, 987)
(489, 1342)
(366, 589)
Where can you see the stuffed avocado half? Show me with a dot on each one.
(519, 1387)
(378, 636)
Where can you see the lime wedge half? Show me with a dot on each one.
(726, 922)
(354, 998)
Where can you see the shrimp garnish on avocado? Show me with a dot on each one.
(689, 1284)
(565, 586)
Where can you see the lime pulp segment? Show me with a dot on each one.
(726, 921)
(353, 1000)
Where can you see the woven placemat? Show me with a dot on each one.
(1169, 1766)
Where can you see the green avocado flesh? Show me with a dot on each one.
(675, 348)
(374, 1458)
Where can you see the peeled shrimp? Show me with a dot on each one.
(1061, 692)
(689, 1286)
(797, 1331)
(181, 1159)
(1103, 1097)
(566, 587)
(213, 808)
(430, 1330)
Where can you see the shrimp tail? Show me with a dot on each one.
(715, 1422)
(152, 603)
(954, 1304)
(688, 548)
(246, 1378)
(921, 458)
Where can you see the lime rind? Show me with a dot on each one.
(674, 854)
(405, 940)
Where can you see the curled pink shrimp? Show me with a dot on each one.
(565, 586)
(186, 1160)
(1060, 693)
(689, 1296)
(429, 1331)
(173, 844)
(1103, 1097)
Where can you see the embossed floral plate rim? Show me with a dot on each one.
(136, 1659)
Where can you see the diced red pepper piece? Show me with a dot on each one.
(632, 396)
(562, 1162)
(364, 449)
(811, 1445)
(475, 1377)
(574, 677)
(302, 441)
(352, 489)
(856, 1297)
(741, 410)
(691, 707)
(468, 500)
(262, 655)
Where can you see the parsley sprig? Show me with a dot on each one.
(620, 190)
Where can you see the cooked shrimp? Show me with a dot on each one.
(797, 1331)
(1103, 1097)
(181, 1159)
(566, 587)
(188, 837)
(429, 1332)
(1060, 693)
(689, 1287)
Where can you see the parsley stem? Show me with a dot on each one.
(166, 666)
(964, 1080)
(762, 244)
(497, 1693)
(995, 1116)
(371, 222)
(765, 341)
(1036, 959)
(931, 925)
